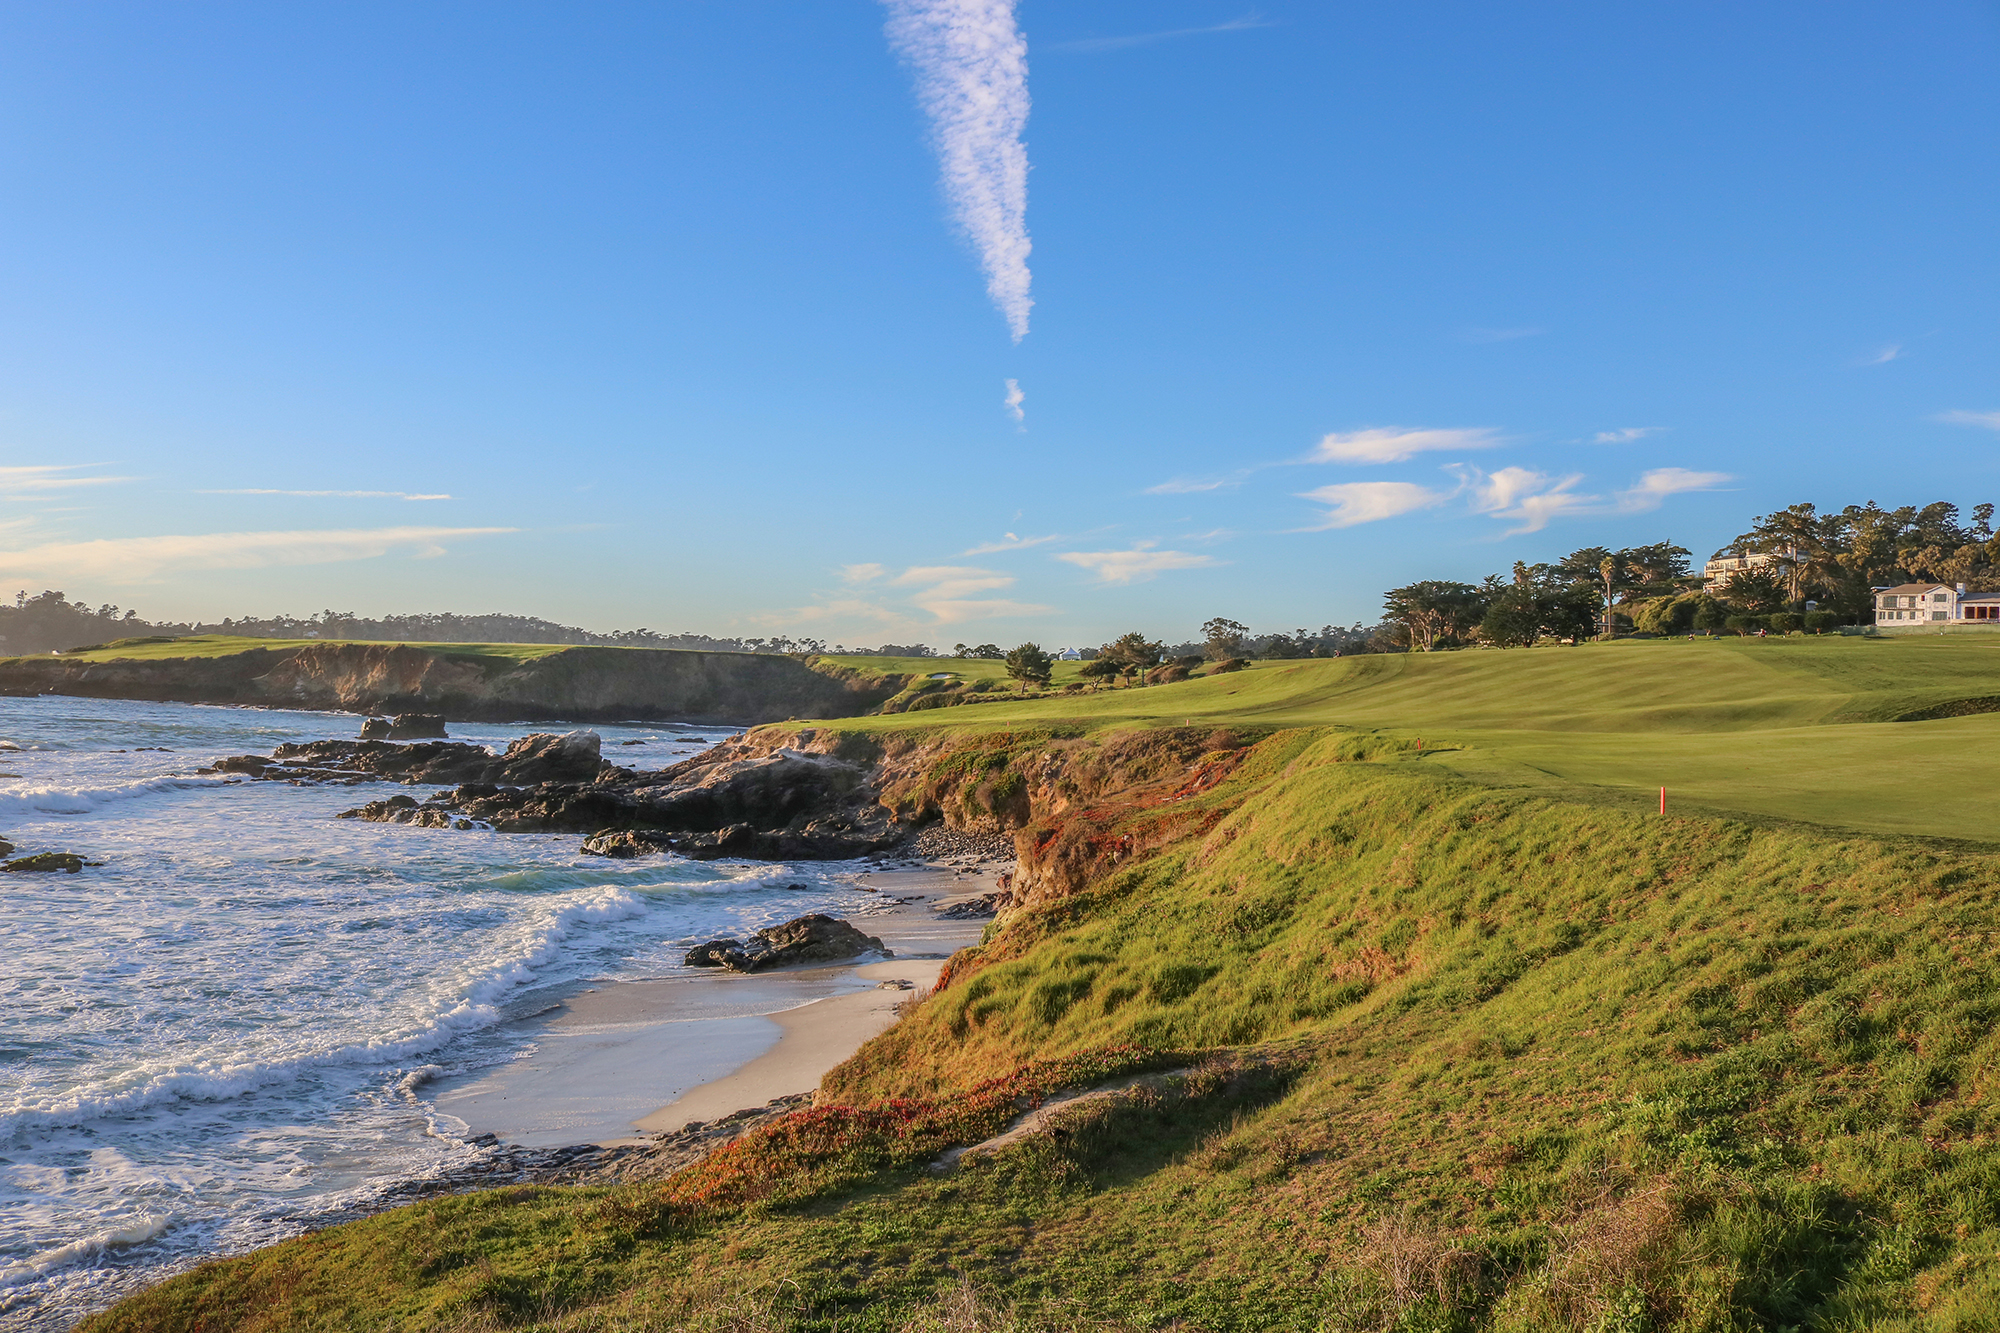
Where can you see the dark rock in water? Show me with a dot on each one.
(6, 848)
(570, 757)
(625, 844)
(417, 727)
(45, 863)
(376, 729)
(807, 939)
(711, 954)
(631, 742)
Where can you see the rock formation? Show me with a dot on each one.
(807, 939)
(46, 863)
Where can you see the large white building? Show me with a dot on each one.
(1720, 570)
(1935, 603)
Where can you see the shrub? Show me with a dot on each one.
(1819, 622)
(1227, 665)
(1744, 624)
(1786, 622)
(1709, 614)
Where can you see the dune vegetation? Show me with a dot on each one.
(1413, 1014)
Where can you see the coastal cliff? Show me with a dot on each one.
(468, 683)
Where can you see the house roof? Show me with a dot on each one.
(1916, 587)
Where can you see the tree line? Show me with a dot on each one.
(1818, 571)
(50, 622)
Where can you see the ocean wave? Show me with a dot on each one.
(540, 942)
(62, 1256)
(27, 802)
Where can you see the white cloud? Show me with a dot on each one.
(946, 592)
(1136, 565)
(1088, 45)
(1655, 486)
(1013, 401)
(31, 478)
(1990, 420)
(1527, 498)
(1010, 542)
(1395, 443)
(1625, 435)
(1370, 501)
(861, 573)
(1892, 352)
(140, 559)
(339, 495)
(1531, 500)
(971, 64)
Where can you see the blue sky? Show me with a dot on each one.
(668, 305)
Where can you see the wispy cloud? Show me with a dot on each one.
(861, 573)
(141, 559)
(1353, 502)
(1531, 500)
(1625, 435)
(1393, 444)
(1990, 420)
(1196, 485)
(1892, 352)
(1525, 497)
(947, 592)
(1654, 487)
(1010, 542)
(971, 64)
(1136, 565)
(1499, 335)
(338, 495)
(29, 479)
(1013, 401)
(1089, 45)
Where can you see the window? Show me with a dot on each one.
(1940, 597)
(1940, 615)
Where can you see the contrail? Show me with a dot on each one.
(971, 64)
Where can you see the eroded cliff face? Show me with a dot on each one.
(577, 684)
(1076, 806)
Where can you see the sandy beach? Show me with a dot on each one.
(621, 1063)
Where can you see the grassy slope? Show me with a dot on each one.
(1502, 1059)
(1788, 729)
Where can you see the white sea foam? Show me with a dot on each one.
(26, 802)
(89, 1247)
(233, 1022)
(227, 1075)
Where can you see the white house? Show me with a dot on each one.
(1720, 570)
(1935, 603)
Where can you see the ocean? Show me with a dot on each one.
(225, 1032)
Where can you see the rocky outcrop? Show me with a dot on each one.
(807, 939)
(732, 801)
(408, 727)
(46, 863)
(574, 756)
(581, 684)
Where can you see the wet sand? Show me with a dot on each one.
(618, 1064)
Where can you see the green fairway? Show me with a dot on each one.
(1786, 728)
